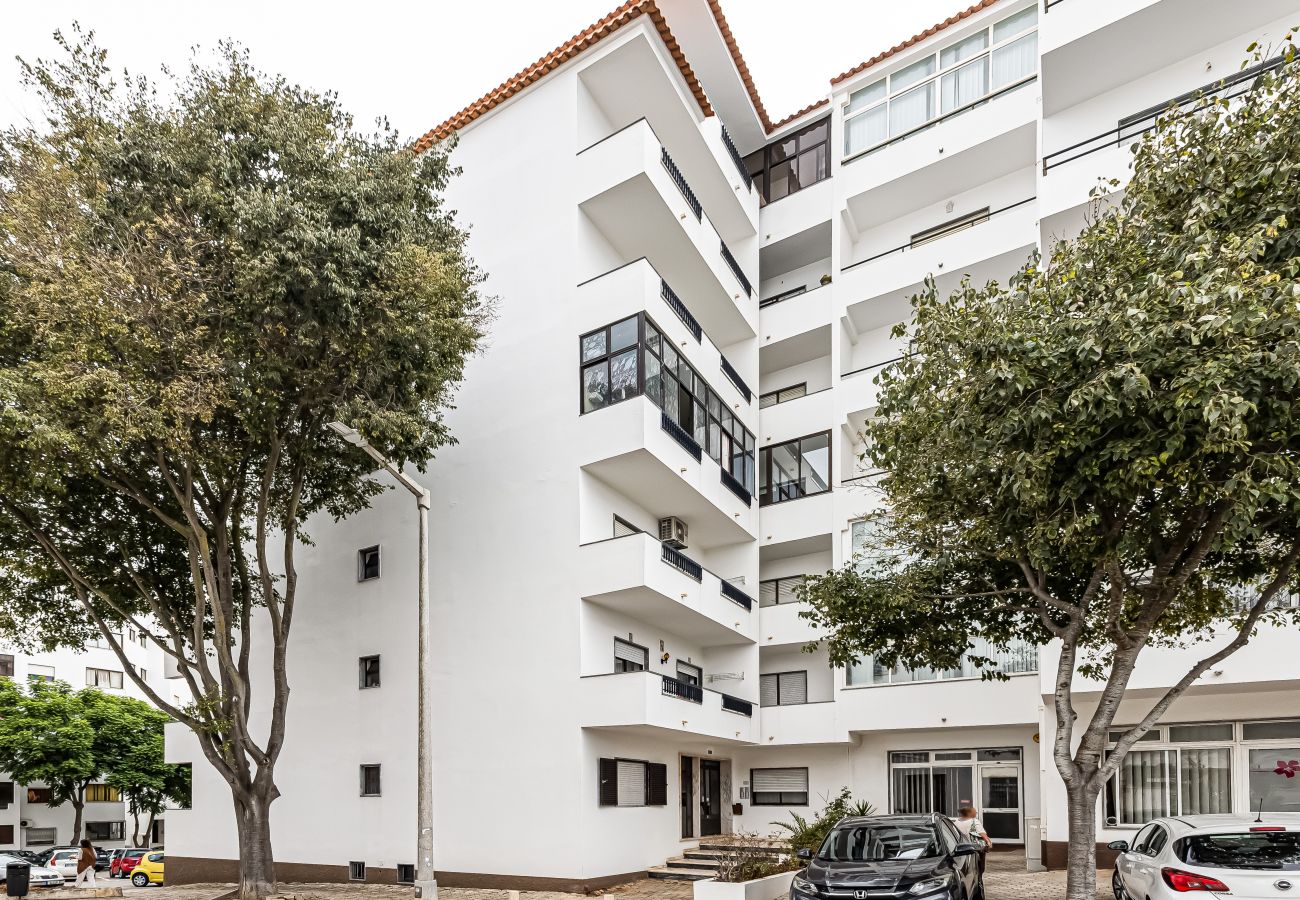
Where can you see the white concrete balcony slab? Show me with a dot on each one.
(627, 447)
(952, 156)
(653, 704)
(627, 189)
(782, 625)
(796, 315)
(858, 391)
(949, 703)
(796, 520)
(798, 212)
(801, 723)
(796, 418)
(636, 575)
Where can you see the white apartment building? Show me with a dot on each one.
(663, 436)
(27, 820)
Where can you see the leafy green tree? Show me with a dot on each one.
(1104, 454)
(138, 769)
(195, 277)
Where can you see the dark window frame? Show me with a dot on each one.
(776, 394)
(619, 520)
(618, 662)
(363, 770)
(777, 676)
(407, 870)
(39, 795)
(363, 566)
(777, 582)
(116, 831)
(697, 674)
(356, 870)
(781, 801)
(961, 223)
(656, 782)
(364, 674)
(766, 483)
(6, 665)
(760, 163)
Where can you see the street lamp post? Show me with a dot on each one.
(426, 886)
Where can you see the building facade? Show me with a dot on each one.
(663, 437)
(27, 819)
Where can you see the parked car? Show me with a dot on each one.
(64, 859)
(37, 876)
(102, 858)
(149, 870)
(28, 856)
(124, 860)
(884, 856)
(1247, 857)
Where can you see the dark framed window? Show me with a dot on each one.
(775, 591)
(406, 873)
(783, 688)
(793, 163)
(356, 871)
(794, 469)
(6, 834)
(38, 795)
(368, 671)
(779, 787)
(368, 563)
(632, 782)
(105, 831)
(370, 783)
(630, 657)
(689, 674)
(784, 295)
(611, 370)
(6, 794)
(623, 528)
(783, 395)
(941, 231)
(6, 665)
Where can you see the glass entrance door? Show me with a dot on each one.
(999, 801)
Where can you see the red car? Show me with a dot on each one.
(124, 861)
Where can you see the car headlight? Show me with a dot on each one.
(803, 885)
(931, 885)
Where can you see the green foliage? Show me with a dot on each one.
(806, 834)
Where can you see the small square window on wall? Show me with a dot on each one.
(779, 787)
(369, 671)
(406, 873)
(368, 563)
(370, 780)
(356, 871)
(632, 782)
(6, 665)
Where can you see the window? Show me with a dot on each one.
(103, 678)
(103, 643)
(1270, 731)
(39, 795)
(632, 782)
(356, 871)
(6, 834)
(102, 793)
(40, 673)
(1270, 787)
(368, 673)
(6, 665)
(368, 564)
(1017, 658)
(947, 228)
(6, 794)
(41, 837)
(784, 295)
(960, 75)
(370, 780)
(623, 528)
(775, 591)
(105, 831)
(689, 674)
(406, 873)
(613, 370)
(798, 468)
(772, 398)
(779, 787)
(629, 657)
(1170, 781)
(783, 689)
(793, 163)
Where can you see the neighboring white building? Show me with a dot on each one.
(601, 699)
(27, 820)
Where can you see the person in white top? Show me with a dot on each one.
(973, 829)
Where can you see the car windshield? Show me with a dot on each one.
(1243, 850)
(880, 841)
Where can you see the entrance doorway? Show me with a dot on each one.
(939, 781)
(688, 796)
(999, 800)
(710, 797)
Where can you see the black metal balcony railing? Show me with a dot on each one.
(683, 563)
(678, 434)
(913, 245)
(734, 377)
(736, 705)
(737, 159)
(682, 690)
(736, 595)
(676, 305)
(680, 180)
(731, 483)
(737, 271)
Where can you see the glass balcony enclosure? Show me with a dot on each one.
(630, 358)
(795, 162)
(794, 469)
(949, 80)
(1019, 658)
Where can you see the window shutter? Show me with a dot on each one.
(792, 393)
(767, 695)
(767, 593)
(656, 785)
(793, 687)
(632, 653)
(776, 781)
(608, 788)
(631, 783)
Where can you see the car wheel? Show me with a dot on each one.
(1117, 886)
(140, 880)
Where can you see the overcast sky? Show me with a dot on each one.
(417, 63)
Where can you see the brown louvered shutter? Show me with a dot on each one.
(656, 784)
(608, 791)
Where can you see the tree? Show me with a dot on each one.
(1103, 453)
(195, 277)
(138, 770)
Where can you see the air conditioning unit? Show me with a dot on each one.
(672, 531)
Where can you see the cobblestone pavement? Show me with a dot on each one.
(1006, 879)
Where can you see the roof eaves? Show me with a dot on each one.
(913, 40)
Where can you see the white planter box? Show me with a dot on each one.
(773, 887)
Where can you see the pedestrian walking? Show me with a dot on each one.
(85, 866)
(973, 829)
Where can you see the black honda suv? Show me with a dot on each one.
(911, 857)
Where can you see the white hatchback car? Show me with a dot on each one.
(1229, 856)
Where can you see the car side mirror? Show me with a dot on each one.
(804, 853)
(1119, 846)
(965, 850)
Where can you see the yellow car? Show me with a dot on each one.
(149, 871)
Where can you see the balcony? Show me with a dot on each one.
(801, 723)
(795, 418)
(782, 625)
(630, 188)
(658, 705)
(949, 703)
(796, 314)
(796, 521)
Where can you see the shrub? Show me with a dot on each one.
(748, 857)
(808, 834)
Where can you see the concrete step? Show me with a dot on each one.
(672, 873)
(769, 848)
(686, 861)
(697, 853)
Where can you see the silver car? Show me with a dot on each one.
(39, 876)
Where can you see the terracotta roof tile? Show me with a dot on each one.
(581, 41)
(914, 39)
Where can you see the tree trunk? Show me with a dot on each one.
(1081, 858)
(78, 809)
(256, 864)
(148, 830)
